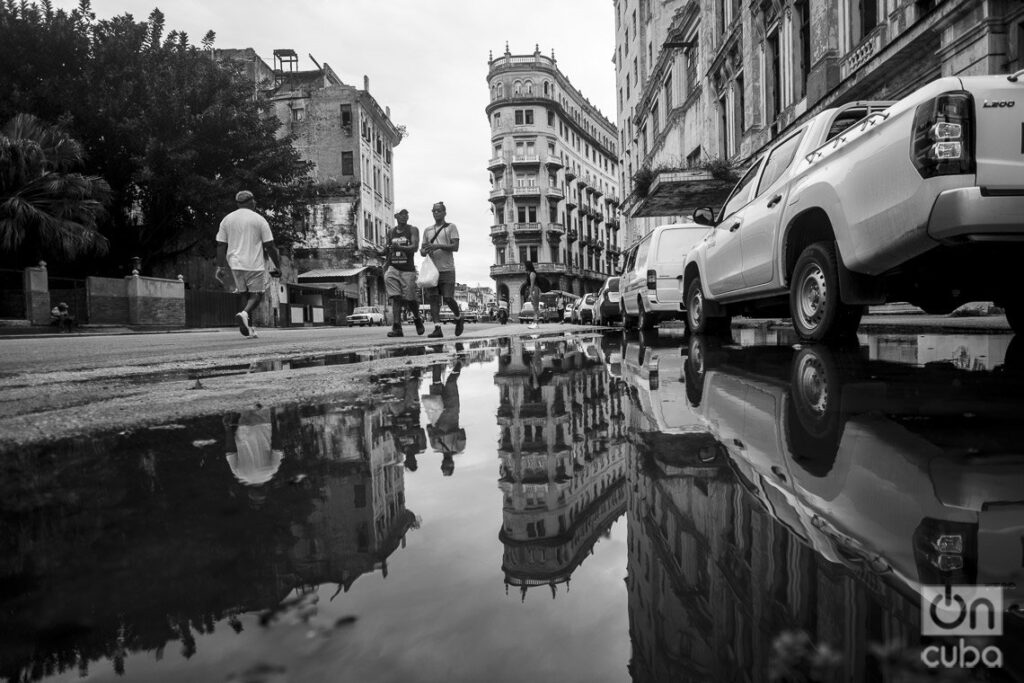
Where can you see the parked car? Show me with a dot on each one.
(546, 314)
(652, 270)
(584, 312)
(366, 315)
(606, 310)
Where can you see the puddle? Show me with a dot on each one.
(660, 507)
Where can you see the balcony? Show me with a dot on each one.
(507, 269)
(554, 161)
(526, 229)
(612, 223)
(570, 174)
(497, 162)
(556, 193)
(499, 232)
(584, 240)
(596, 190)
(526, 191)
(525, 159)
(499, 192)
(582, 182)
(554, 232)
(598, 216)
(600, 245)
(570, 203)
(612, 199)
(571, 235)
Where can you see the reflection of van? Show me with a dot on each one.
(652, 271)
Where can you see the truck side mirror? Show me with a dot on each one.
(705, 215)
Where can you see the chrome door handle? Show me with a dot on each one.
(735, 226)
(775, 200)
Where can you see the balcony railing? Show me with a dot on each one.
(582, 182)
(526, 190)
(612, 223)
(497, 162)
(571, 235)
(596, 190)
(507, 269)
(499, 192)
(526, 228)
(554, 161)
(570, 174)
(499, 230)
(570, 202)
(554, 228)
(555, 193)
(526, 159)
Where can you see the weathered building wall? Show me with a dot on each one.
(154, 301)
(107, 300)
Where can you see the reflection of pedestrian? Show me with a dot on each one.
(250, 455)
(440, 242)
(243, 237)
(410, 439)
(400, 276)
(446, 436)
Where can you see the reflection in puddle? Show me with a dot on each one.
(757, 499)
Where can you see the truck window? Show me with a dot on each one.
(844, 120)
(740, 194)
(778, 161)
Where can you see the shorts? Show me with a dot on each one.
(251, 280)
(400, 283)
(445, 285)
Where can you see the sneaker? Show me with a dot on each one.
(437, 332)
(252, 333)
(243, 323)
(460, 325)
(396, 332)
(420, 329)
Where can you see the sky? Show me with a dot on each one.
(427, 61)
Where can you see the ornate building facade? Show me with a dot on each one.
(704, 86)
(553, 168)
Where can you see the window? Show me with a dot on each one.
(551, 119)
(497, 119)
(634, 21)
(524, 116)
(387, 156)
(526, 214)
(528, 87)
(627, 86)
(298, 114)
(636, 71)
(778, 161)
(346, 163)
(803, 19)
(668, 95)
(654, 120)
(546, 88)
(499, 255)
(866, 19)
(517, 88)
(691, 70)
(346, 115)
(773, 86)
(740, 194)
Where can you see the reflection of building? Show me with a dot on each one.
(562, 461)
(151, 535)
(714, 578)
(553, 172)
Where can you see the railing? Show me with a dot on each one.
(499, 230)
(553, 160)
(526, 159)
(570, 174)
(526, 190)
(555, 192)
(494, 162)
(499, 192)
(526, 228)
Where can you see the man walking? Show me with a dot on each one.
(243, 238)
(440, 242)
(400, 275)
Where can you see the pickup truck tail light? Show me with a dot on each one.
(943, 137)
(652, 279)
(945, 551)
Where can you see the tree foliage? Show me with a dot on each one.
(172, 131)
(47, 209)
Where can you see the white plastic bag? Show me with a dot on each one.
(428, 274)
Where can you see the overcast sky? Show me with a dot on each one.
(427, 60)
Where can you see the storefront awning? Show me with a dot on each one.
(330, 274)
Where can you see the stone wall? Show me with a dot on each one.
(152, 301)
(107, 300)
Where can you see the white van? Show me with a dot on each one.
(651, 274)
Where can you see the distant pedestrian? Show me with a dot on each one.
(535, 283)
(242, 242)
(400, 274)
(440, 242)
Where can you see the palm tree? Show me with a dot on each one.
(47, 209)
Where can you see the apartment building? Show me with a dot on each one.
(704, 86)
(349, 139)
(553, 169)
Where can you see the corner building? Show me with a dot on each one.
(553, 169)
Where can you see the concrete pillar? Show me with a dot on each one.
(37, 295)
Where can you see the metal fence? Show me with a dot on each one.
(12, 294)
(72, 292)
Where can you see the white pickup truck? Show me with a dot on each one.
(920, 200)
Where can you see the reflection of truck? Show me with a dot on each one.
(920, 201)
(917, 474)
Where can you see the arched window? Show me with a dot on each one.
(501, 90)
(529, 87)
(517, 88)
(545, 89)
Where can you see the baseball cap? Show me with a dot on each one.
(243, 196)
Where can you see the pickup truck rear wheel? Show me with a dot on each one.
(818, 313)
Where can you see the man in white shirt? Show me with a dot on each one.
(242, 240)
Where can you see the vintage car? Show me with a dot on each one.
(366, 315)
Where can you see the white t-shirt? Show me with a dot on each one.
(245, 231)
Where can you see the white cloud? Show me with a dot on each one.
(427, 61)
